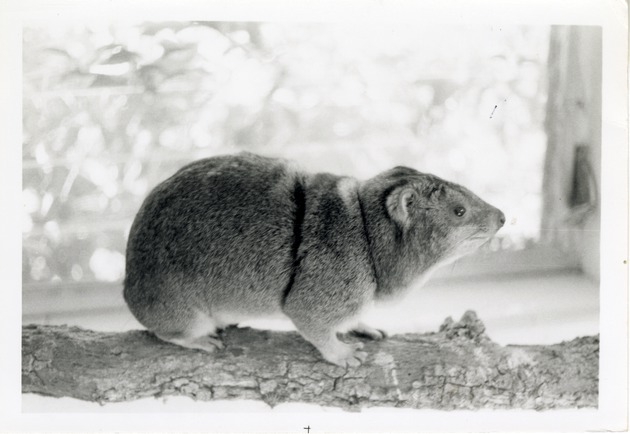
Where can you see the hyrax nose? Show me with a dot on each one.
(501, 218)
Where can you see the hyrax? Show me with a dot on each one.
(238, 237)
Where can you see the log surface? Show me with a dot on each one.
(458, 367)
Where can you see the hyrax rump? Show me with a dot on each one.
(238, 237)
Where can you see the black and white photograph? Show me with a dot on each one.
(379, 219)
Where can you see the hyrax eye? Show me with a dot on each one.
(460, 211)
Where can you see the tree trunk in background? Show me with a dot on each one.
(571, 186)
(455, 368)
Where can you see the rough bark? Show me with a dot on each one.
(455, 368)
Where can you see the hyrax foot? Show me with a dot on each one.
(347, 355)
(204, 343)
(365, 331)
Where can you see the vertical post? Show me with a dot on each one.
(573, 159)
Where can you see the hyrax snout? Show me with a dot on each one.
(232, 238)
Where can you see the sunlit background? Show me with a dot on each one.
(110, 111)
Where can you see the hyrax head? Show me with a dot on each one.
(439, 219)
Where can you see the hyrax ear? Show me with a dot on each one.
(399, 202)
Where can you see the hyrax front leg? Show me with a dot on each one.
(332, 349)
(319, 323)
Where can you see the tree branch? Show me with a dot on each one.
(455, 368)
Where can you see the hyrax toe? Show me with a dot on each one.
(208, 344)
(357, 345)
(211, 343)
(348, 355)
(367, 332)
(361, 355)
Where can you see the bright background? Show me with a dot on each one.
(110, 111)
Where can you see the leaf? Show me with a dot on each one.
(77, 79)
(121, 56)
(109, 81)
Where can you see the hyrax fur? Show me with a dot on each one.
(238, 237)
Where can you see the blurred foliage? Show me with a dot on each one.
(111, 110)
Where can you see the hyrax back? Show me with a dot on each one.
(236, 237)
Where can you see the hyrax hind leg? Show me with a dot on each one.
(201, 334)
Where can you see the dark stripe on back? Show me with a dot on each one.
(367, 240)
(300, 207)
